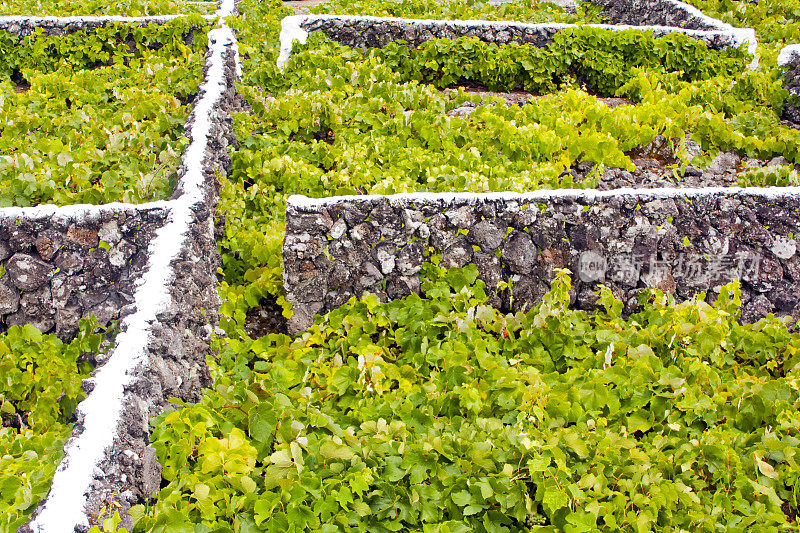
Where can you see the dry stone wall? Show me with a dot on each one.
(362, 33)
(181, 335)
(162, 348)
(789, 58)
(375, 32)
(60, 26)
(680, 241)
(153, 267)
(174, 367)
(60, 269)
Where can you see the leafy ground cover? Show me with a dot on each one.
(438, 413)
(130, 8)
(535, 12)
(97, 116)
(39, 391)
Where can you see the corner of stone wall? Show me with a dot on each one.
(181, 336)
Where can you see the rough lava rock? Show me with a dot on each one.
(52, 265)
(629, 242)
(28, 273)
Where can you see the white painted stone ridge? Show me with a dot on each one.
(292, 29)
(693, 11)
(213, 87)
(740, 35)
(102, 409)
(226, 8)
(788, 54)
(748, 35)
(768, 193)
(76, 211)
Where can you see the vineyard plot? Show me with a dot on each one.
(40, 389)
(437, 411)
(97, 116)
(125, 91)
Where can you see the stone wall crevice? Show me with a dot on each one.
(789, 59)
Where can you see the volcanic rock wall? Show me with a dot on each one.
(375, 32)
(60, 26)
(170, 361)
(680, 241)
(60, 269)
(169, 314)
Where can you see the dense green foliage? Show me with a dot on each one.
(438, 413)
(97, 47)
(678, 418)
(130, 8)
(97, 116)
(535, 11)
(39, 390)
(602, 60)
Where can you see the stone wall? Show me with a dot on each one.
(164, 337)
(174, 363)
(60, 269)
(789, 59)
(374, 32)
(181, 337)
(175, 367)
(656, 13)
(60, 26)
(679, 241)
